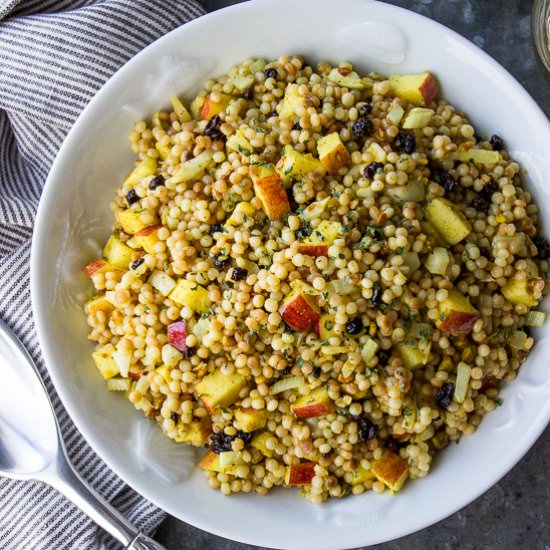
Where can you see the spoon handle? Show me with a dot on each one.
(67, 481)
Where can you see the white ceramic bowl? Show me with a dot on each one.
(74, 214)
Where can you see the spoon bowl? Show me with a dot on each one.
(28, 428)
(31, 445)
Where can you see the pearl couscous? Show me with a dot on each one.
(321, 277)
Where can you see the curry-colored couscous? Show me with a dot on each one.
(322, 277)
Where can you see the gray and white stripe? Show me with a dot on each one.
(54, 56)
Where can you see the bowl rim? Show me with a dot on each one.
(53, 184)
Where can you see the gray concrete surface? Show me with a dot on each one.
(515, 513)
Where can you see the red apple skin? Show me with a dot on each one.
(312, 410)
(317, 327)
(429, 89)
(205, 111)
(458, 322)
(147, 231)
(93, 267)
(298, 314)
(301, 474)
(207, 460)
(315, 250)
(177, 334)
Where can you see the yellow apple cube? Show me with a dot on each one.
(117, 253)
(332, 152)
(104, 361)
(220, 390)
(191, 294)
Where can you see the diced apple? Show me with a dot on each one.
(396, 115)
(482, 157)
(220, 390)
(315, 209)
(210, 461)
(456, 313)
(522, 291)
(179, 108)
(191, 294)
(347, 79)
(411, 260)
(242, 211)
(97, 303)
(413, 191)
(332, 152)
(296, 165)
(250, 420)
(237, 142)
(119, 384)
(241, 82)
(123, 359)
(195, 433)
(325, 326)
(96, 267)
(300, 474)
(420, 89)
(447, 220)
(391, 470)
(259, 442)
(171, 356)
(162, 282)
(291, 101)
(131, 219)
(143, 169)
(177, 334)
(164, 371)
(378, 154)
(438, 261)
(227, 462)
(360, 476)
(431, 231)
(117, 253)
(147, 238)
(369, 349)
(192, 169)
(211, 108)
(314, 250)
(419, 117)
(411, 355)
(315, 403)
(268, 188)
(299, 310)
(103, 359)
(320, 239)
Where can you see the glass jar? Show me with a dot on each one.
(540, 24)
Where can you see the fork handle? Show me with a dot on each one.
(67, 481)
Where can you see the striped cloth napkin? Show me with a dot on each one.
(54, 56)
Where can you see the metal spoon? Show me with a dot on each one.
(31, 446)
